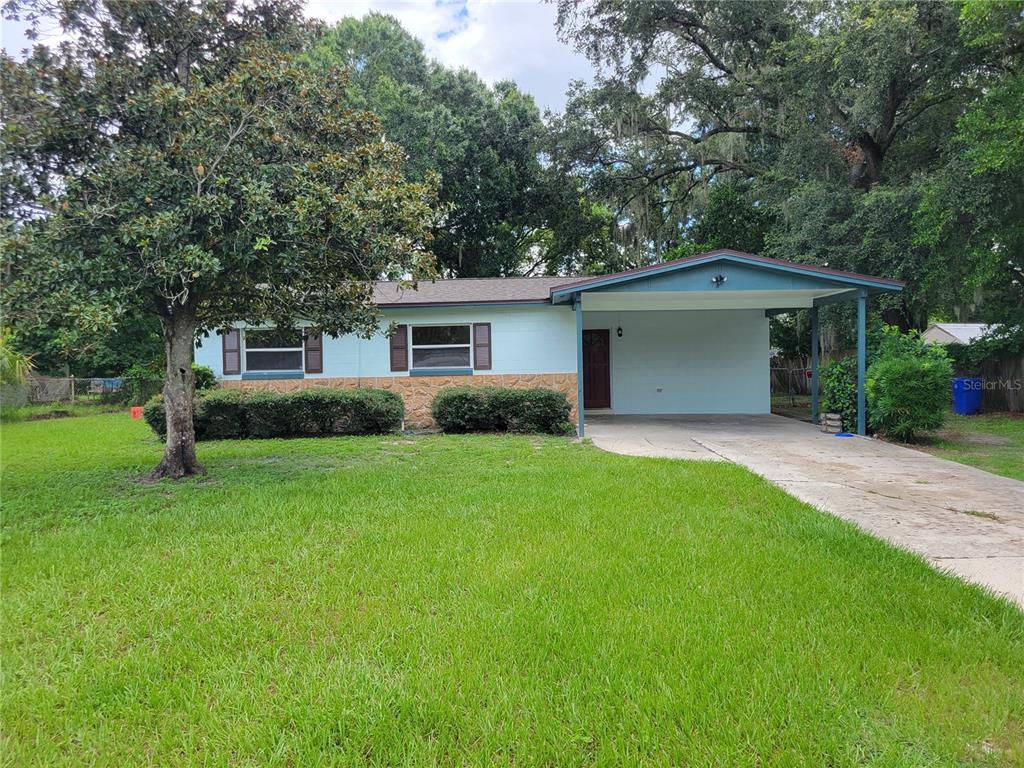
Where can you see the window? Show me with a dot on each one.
(440, 346)
(273, 350)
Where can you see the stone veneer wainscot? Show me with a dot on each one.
(418, 392)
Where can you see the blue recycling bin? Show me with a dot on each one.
(967, 396)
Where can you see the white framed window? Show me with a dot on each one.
(272, 349)
(441, 346)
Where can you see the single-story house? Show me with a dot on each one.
(685, 336)
(954, 333)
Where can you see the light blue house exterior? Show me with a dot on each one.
(689, 336)
(527, 338)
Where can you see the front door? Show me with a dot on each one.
(597, 369)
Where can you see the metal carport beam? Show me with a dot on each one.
(577, 307)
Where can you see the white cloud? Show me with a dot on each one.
(497, 40)
(511, 40)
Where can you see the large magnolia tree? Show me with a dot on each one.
(220, 182)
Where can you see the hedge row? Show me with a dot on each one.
(224, 414)
(493, 409)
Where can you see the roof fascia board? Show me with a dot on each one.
(439, 304)
(559, 292)
(836, 298)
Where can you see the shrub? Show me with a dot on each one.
(224, 414)
(366, 411)
(887, 398)
(908, 394)
(220, 415)
(267, 414)
(532, 410)
(141, 382)
(154, 414)
(493, 409)
(204, 376)
(999, 340)
(839, 390)
(464, 409)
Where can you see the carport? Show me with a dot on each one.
(691, 336)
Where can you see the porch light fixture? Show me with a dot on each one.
(718, 280)
(618, 331)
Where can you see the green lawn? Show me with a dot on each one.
(82, 407)
(990, 441)
(471, 600)
(793, 406)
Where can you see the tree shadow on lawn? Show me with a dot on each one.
(106, 486)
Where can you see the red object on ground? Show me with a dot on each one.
(136, 411)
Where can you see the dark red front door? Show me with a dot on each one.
(597, 369)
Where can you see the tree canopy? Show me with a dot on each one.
(835, 115)
(228, 183)
(507, 211)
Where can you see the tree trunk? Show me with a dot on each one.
(179, 329)
(866, 162)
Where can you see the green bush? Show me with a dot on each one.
(839, 390)
(493, 409)
(154, 414)
(464, 409)
(998, 341)
(220, 415)
(899, 409)
(224, 414)
(204, 376)
(268, 414)
(141, 382)
(908, 394)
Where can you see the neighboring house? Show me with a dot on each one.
(954, 333)
(687, 336)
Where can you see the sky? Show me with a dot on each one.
(511, 40)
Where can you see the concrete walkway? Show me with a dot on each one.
(961, 519)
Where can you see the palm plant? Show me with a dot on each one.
(15, 366)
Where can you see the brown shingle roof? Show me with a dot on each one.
(535, 290)
(469, 290)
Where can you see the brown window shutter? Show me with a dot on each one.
(232, 343)
(482, 346)
(400, 348)
(314, 343)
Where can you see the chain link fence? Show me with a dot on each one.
(791, 381)
(44, 390)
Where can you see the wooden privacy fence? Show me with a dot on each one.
(1004, 383)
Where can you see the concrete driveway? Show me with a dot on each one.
(961, 519)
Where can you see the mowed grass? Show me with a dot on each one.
(471, 600)
(990, 441)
